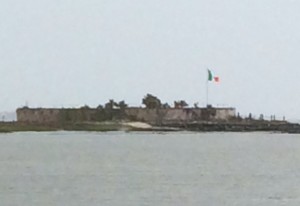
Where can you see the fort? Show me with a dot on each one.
(115, 116)
(162, 116)
(154, 113)
(161, 119)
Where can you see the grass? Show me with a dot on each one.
(6, 128)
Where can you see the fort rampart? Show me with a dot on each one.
(152, 116)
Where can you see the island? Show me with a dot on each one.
(153, 116)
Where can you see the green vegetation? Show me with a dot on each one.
(180, 104)
(14, 127)
(151, 102)
(99, 127)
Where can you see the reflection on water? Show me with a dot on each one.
(78, 168)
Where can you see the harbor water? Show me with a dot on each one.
(136, 168)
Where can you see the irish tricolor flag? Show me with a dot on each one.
(212, 78)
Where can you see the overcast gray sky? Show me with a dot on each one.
(57, 53)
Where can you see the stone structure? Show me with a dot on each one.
(39, 115)
(160, 116)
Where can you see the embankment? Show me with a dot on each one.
(251, 126)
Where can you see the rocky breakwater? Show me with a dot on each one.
(239, 126)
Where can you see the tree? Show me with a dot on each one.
(151, 102)
(180, 104)
(166, 106)
(99, 107)
(110, 105)
(196, 105)
(122, 105)
(85, 107)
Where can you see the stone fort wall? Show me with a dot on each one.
(152, 116)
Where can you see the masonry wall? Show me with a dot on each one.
(143, 115)
(172, 115)
(224, 113)
(38, 115)
(152, 116)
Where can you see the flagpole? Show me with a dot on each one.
(207, 89)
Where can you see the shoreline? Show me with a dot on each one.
(252, 126)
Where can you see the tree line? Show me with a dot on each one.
(150, 101)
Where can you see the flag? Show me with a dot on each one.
(211, 77)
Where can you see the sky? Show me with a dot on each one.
(71, 53)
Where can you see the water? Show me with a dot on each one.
(118, 168)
